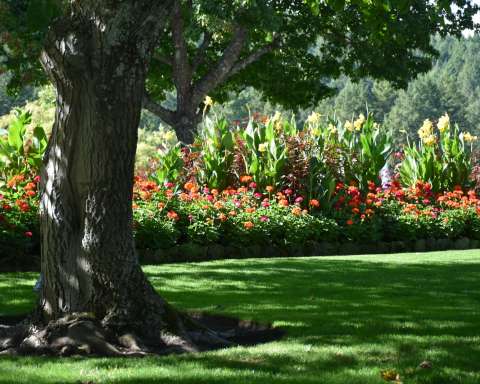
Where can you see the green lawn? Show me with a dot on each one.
(347, 319)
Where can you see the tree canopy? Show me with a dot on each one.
(289, 50)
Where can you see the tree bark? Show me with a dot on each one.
(89, 261)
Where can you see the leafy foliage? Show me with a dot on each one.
(444, 160)
(21, 153)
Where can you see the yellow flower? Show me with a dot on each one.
(315, 132)
(443, 123)
(314, 118)
(276, 120)
(277, 116)
(349, 126)
(332, 128)
(468, 138)
(429, 140)
(208, 101)
(426, 130)
(359, 122)
(262, 147)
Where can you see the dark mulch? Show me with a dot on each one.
(234, 331)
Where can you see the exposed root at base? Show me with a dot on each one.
(81, 334)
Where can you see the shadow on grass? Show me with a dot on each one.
(345, 321)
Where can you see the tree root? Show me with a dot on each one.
(82, 334)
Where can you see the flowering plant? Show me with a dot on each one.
(442, 158)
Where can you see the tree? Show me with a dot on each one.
(287, 49)
(98, 54)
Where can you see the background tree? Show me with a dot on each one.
(289, 49)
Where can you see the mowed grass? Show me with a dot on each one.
(347, 319)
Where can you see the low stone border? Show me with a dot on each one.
(194, 252)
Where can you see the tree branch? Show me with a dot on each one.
(200, 55)
(255, 56)
(164, 60)
(218, 74)
(181, 68)
(163, 113)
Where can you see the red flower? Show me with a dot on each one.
(23, 205)
(28, 234)
(248, 225)
(314, 203)
(172, 215)
(349, 222)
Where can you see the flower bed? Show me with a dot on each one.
(193, 223)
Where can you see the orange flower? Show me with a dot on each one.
(15, 180)
(172, 215)
(145, 195)
(245, 179)
(189, 186)
(184, 197)
(349, 222)
(30, 187)
(283, 203)
(269, 188)
(161, 205)
(232, 213)
(250, 210)
(218, 205)
(297, 211)
(31, 193)
(356, 211)
(314, 203)
(222, 217)
(248, 225)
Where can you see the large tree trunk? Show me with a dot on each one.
(88, 255)
(185, 126)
